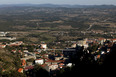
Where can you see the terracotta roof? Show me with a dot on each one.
(101, 39)
(61, 63)
(28, 67)
(55, 60)
(13, 50)
(2, 45)
(23, 62)
(19, 50)
(20, 69)
(3, 70)
(43, 65)
(98, 56)
(114, 39)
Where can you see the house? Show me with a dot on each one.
(2, 46)
(108, 50)
(69, 65)
(58, 58)
(28, 57)
(83, 43)
(74, 45)
(29, 63)
(19, 51)
(45, 56)
(28, 68)
(39, 61)
(17, 43)
(25, 51)
(50, 67)
(46, 67)
(38, 50)
(7, 38)
(101, 40)
(20, 70)
(113, 40)
(43, 46)
(3, 33)
(53, 67)
(102, 52)
(25, 55)
(61, 65)
(97, 57)
(62, 55)
(14, 51)
(23, 62)
(3, 70)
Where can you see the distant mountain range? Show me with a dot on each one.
(56, 5)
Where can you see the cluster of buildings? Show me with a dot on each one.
(103, 47)
(3, 33)
(3, 36)
(59, 61)
(17, 43)
(51, 60)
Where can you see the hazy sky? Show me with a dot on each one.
(82, 2)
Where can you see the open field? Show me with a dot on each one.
(36, 24)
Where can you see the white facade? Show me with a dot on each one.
(102, 52)
(114, 40)
(44, 46)
(25, 51)
(3, 33)
(53, 66)
(69, 65)
(39, 61)
(74, 45)
(2, 46)
(8, 38)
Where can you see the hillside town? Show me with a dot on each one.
(56, 59)
(59, 39)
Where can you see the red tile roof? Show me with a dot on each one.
(98, 56)
(28, 68)
(55, 60)
(43, 65)
(20, 69)
(114, 39)
(23, 62)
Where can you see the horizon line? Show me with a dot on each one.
(50, 4)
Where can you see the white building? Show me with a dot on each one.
(83, 43)
(113, 40)
(8, 38)
(74, 45)
(39, 61)
(3, 33)
(53, 67)
(25, 51)
(43, 46)
(69, 65)
(2, 46)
